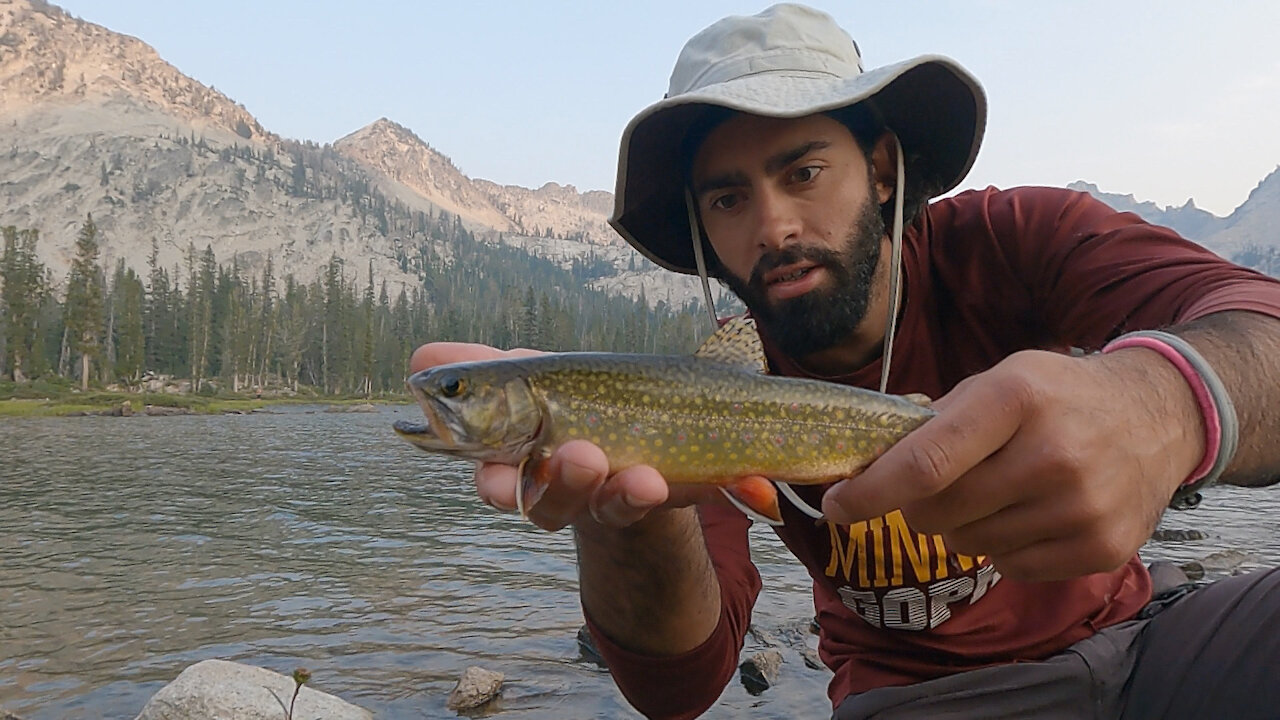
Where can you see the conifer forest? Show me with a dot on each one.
(225, 327)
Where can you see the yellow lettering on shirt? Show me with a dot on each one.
(916, 546)
(845, 553)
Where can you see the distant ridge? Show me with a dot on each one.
(93, 121)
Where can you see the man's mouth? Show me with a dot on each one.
(791, 280)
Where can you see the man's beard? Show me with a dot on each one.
(827, 315)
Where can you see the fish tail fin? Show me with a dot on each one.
(756, 497)
(535, 478)
(790, 494)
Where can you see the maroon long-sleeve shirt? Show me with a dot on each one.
(987, 273)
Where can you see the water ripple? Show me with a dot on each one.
(134, 547)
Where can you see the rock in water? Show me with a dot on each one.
(222, 689)
(164, 410)
(1226, 560)
(760, 671)
(476, 687)
(812, 660)
(1176, 535)
(1193, 570)
(587, 649)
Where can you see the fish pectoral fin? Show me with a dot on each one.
(756, 497)
(919, 399)
(535, 477)
(735, 343)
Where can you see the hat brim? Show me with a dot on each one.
(937, 109)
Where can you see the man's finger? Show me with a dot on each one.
(975, 421)
(496, 485)
(577, 469)
(444, 353)
(628, 496)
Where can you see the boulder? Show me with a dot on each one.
(213, 689)
(359, 408)
(162, 410)
(1176, 535)
(476, 687)
(811, 660)
(1226, 560)
(760, 671)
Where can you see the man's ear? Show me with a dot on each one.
(884, 167)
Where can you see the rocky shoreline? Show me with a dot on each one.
(216, 688)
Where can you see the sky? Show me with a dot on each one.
(1167, 100)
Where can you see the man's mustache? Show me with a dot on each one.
(789, 255)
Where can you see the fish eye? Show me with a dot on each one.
(452, 386)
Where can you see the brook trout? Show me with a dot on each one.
(706, 418)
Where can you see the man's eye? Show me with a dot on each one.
(724, 202)
(806, 173)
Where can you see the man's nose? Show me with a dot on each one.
(778, 222)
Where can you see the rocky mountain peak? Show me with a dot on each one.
(1188, 220)
(400, 156)
(48, 56)
(553, 210)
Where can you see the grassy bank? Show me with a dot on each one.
(49, 399)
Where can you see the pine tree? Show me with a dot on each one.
(22, 291)
(200, 290)
(292, 328)
(130, 343)
(267, 321)
(84, 301)
(366, 333)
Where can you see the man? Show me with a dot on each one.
(986, 565)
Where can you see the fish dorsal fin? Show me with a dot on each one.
(736, 343)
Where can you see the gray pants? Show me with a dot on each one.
(1211, 653)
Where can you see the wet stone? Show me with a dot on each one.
(223, 689)
(760, 671)
(476, 687)
(1174, 535)
(587, 651)
(163, 410)
(811, 660)
(762, 636)
(1226, 560)
(1193, 570)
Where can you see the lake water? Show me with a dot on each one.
(131, 548)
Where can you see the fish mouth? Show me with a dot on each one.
(419, 434)
(436, 434)
(427, 436)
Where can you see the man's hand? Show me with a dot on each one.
(581, 487)
(1052, 466)
(645, 576)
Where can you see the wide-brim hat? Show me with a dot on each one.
(788, 61)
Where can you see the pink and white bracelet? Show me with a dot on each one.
(1222, 429)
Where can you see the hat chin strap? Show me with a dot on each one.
(895, 264)
(698, 259)
(895, 268)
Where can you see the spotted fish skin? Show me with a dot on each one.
(693, 419)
